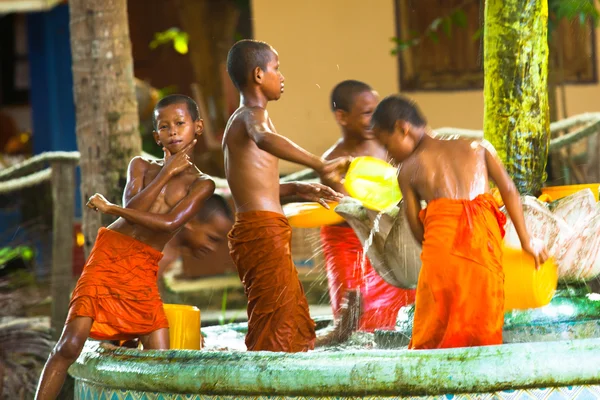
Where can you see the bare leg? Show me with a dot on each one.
(64, 354)
(157, 340)
(346, 324)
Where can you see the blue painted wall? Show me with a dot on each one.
(51, 93)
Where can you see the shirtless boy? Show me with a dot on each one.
(353, 103)
(278, 316)
(116, 297)
(460, 293)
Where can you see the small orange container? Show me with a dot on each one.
(558, 192)
(524, 286)
(184, 326)
(311, 215)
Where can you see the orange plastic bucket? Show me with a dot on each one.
(311, 215)
(374, 182)
(184, 326)
(558, 192)
(524, 286)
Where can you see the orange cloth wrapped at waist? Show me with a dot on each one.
(380, 301)
(278, 315)
(460, 293)
(118, 289)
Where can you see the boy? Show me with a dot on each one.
(353, 103)
(116, 297)
(460, 293)
(201, 236)
(278, 317)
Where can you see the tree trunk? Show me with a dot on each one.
(209, 43)
(63, 214)
(516, 115)
(105, 102)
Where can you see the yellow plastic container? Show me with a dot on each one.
(184, 326)
(374, 182)
(524, 286)
(558, 192)
(311, 215)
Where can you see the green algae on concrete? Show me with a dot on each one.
(516, 114)
(350, 373)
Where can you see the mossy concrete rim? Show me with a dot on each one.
(356, 373)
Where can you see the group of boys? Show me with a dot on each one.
(459, 297)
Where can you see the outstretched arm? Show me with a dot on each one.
(140, 198)
(412, 205)
(261, 133)
(512, 201)
(310, 191)
(169, 222)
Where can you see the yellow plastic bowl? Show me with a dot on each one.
(184, 326)
(558, 192)
(374, 182)
(311, 215)
(524, 286)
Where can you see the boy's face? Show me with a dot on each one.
(175, 128)
(204, 237)
(272, 79)
(358, 120)
(399, 143)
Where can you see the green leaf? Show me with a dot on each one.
(447, 27)
(582, 18)
(477, 34)
(459, 17)
(434, 37)
(180, 43)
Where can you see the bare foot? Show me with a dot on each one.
(346, 324)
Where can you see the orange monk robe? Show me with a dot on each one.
(380, 301)
(118, 289)
(278, 316)
(460, 293)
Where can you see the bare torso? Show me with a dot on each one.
(452, 169)
(252, 174)
(172, 193)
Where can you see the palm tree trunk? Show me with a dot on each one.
(105, 102)
(516, 116)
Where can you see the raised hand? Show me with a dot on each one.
(334, 170)
(99, 203)
(179, 162)
(317, 192)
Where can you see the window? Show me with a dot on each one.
(14, 61)
(451, 58)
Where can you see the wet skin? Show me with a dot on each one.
(252, 149)
(454, 169)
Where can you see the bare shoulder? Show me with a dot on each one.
(203, 183)
(244, 121)
(140, 166)
(335, 151)
(407, 169)
(251, 115)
